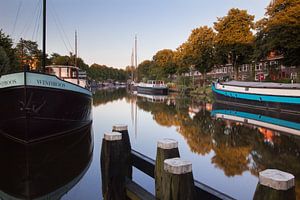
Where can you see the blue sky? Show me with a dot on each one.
(106, 28)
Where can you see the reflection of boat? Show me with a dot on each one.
(153, 87)
(153, 98)
(45, 170)
(34, 101)
(277, 96)
(281, 122)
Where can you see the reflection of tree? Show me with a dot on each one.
(238, 147)
(163, 114)
(198, 132)
(233, 160)
(105, 96)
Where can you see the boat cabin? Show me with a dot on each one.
(156, 82)
(71, 74)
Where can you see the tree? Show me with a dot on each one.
(102, 73)
(182, 58)
(234, 38)
(200, 49)
(144, 69)
(164, 60)
(57, 59)
(279, 32)
(29, 54)
(4, 61)
(8, 59)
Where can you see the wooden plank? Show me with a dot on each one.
(136, 192)
(143, 163)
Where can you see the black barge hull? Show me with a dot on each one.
(30, 113)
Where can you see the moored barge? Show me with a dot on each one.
(262, 95)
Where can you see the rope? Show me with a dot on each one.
(28, 24)
(37, 24)
(61, 28)
(16, 19)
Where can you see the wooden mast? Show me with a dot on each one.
(135, 52)
(75, 62)
(44, 37)
(132, 65)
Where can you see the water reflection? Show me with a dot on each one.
(45, 170)
(104, 96)
(235, 140)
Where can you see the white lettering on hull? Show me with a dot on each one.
(50, 83)
(7, 83)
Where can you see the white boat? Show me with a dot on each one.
(278, 96)
(153, 87)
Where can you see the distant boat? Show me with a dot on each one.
(281, 122)
(39, 105)
(153, 87)
(273, 96)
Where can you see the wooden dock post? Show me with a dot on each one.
(178, 181)
(166, 148)
(275, 184)
(112, 167)
(123, 129)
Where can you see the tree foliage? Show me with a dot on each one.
(279, 32)
(102, 73)
(234, 38)
(4, 61)
(200, 49)
(8, 59)
(182, 58)
(144, 70)
(29, 53)
(57, 59)
(164, 60)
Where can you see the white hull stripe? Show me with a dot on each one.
(263, 91)
(12, 80)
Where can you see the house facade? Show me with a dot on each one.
(271, 68)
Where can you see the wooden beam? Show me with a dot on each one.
(136, 192)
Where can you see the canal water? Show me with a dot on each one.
(227, 146)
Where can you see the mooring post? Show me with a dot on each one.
(275, 184)
(178, 181)
(112, 167)
(166, 148)
(123, 129)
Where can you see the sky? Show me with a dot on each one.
(106, 28)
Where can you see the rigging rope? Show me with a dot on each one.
(60, 28)
(37, 24)
(28, 24)
(16, 19)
